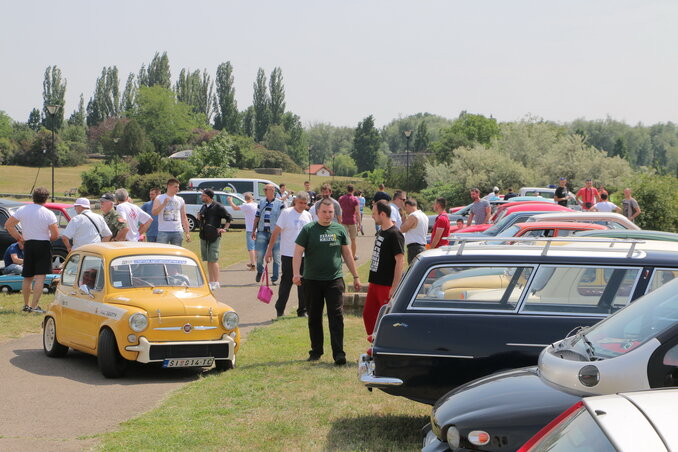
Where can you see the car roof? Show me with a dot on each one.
(561, 225)
(190, 192)
(630, 417)
(591, 216)
(643, 234)
(537, 207)
(115, 249)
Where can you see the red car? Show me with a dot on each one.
(507, 210)
(548, 229)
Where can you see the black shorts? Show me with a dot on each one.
(37, 258)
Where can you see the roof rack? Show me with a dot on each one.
(546, 246)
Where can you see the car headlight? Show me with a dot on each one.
(230, 320)
(138, 322)
(453, 437)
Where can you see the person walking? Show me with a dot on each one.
(172, 220)
(561, 193)
(265, 221)
(324, 243)
(326, 193)
(38, 230)
(214, 220)
(14, 259)
(441, 227)
(414, 228)
(249, 208)
(350, 213)
(604, 205)
(152, 233)
(86, 227)
(588, 195)
(312, 196)
(630, 207)
(362, 201)
(137, 220)
(289, 224)
(387, 264)
(480, 209)
(115, 222)
(397, 204)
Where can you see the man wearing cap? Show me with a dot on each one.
(117, 224)
(86, 227)
(561, 192)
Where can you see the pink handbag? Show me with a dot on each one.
(265, 293)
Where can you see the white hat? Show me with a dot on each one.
(82, 202)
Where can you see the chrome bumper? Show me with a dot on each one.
(144, 348)
(367, 377)
(431, 443)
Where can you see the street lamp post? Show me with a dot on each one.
(310, 146)
(115, 159)
(408, 135)
(52, 110)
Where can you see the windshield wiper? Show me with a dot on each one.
(590, 350)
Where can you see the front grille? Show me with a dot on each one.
(158, 352)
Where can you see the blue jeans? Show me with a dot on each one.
(171, 238)
(260, 246)
(249, 241)
(13, 269)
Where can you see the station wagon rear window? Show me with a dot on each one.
(155, 270)
(480, 288)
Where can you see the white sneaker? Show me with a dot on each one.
(215, 285)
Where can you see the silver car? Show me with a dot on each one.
(194, 203)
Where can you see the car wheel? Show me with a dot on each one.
(58, 258)
(224, 364)
(50, 343)
(192, 223)
(6, 289)
(111, 364)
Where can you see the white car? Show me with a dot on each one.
(194, 203)
(631, 421)
(610, 219)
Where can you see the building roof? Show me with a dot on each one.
(317, 167)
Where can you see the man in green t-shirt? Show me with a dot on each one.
(323, 243)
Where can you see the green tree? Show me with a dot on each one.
(392, 133)
(196, 90)
(165, 121)
(366, 145)
(261, 104)
(215, 158)
(133, 140)
(225, 105)
(421, 138)
(344, 165)
(248, 122)
(53, 93)
(277, 91)
(157, 73)
(657, 197)
(35, 120)
(129, 95)
(105, 102)
(79, 116)
(297, 147)
(467, 130)
(276, 138)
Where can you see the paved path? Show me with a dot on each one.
(60, 404)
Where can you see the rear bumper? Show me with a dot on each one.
(367, 377)
(148, 352)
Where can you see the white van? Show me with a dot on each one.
(231, 185)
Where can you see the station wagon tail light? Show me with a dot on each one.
(589, 376)
(230, 320)
(453, 437)
(138, 322)
(478, 437)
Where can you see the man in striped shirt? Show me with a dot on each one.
(264, 223)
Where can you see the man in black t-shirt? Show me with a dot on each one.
(381, 194)
(561, 192)
(386, 268)
(214, 220)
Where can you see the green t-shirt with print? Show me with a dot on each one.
(322, 250)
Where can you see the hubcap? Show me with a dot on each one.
(50, 334)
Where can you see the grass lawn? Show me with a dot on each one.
(294, 181)
(13, 322)
(19, 179)
(232, 248)
(275, 400)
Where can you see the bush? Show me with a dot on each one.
(657, 197)
(455, 194)
(140, 185)
(104, 177)
(275, 159)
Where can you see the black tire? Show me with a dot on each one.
(111, 364)
(192, 223)
(50, 344)
(6, 289)
(223, 365)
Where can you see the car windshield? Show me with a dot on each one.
(71, 211)
(155, 270)
(634, 325)
(509, 232)
(579, 431)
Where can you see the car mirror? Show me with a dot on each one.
(84, 290)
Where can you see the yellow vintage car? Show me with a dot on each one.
(143, 302)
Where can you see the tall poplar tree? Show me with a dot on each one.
(421, 138)
(366, 145)
(225, 105)
(78, 116)
(277, 90)
(34, 120)
(53, 93)
(157, 72)
(105, 102)
(196, 90)
(129, 95)
(261, 104)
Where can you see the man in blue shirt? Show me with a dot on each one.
(264, 223)
(152, 233)
(14, 259)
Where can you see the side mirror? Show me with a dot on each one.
(84, 290)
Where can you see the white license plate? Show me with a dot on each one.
(188, 362)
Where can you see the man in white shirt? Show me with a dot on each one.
(414, 228)
(171, 212)
(604, 205)
(38, 229)
(289, 223)
(249, 208)
(86, 227)
(137, 220)
(398, 203)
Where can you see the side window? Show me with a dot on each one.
(579, 290)
(62, 222)
(260, 189)
(3, 218)
(243, 187)
(495, 288)
(91, 273)
(565, 232)
(190, 198)
(661, 277)
(538, 233)
(70, 271)
(236, 201)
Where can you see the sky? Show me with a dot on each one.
(344, 60)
